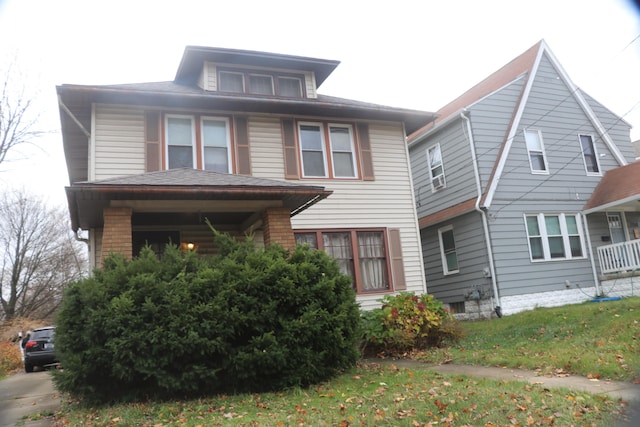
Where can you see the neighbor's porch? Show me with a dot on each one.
(619, 257)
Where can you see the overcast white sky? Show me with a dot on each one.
(416, 54)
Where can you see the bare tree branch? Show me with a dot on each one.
(19, 123)
(40, 256)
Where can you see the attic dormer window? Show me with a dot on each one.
(261, 83)
(231, 82)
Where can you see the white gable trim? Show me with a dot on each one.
(523, 102)
(585, 106)
(502, 161)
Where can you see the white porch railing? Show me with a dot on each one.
(619, 257)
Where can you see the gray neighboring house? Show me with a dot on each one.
(502, 178)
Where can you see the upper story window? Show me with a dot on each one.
(181, 140)
(290, 87)
(261, 83)
(208, 149)
(535, 148)
(555, 236)
(318, 139)
(215, 144)
(436, 168)
(231, 82)
(448, 252)
(589, 155)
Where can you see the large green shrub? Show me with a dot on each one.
(250, 319)
(407, 322)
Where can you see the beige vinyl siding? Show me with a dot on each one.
(310, 83)
(386, 202)
(119, 142)
(265, 143)
(210, 80)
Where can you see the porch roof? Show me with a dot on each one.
(619, 188)
(192, 189)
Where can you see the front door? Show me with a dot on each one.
(616, 228)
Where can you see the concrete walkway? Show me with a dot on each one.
(43, 398)
(627, 391)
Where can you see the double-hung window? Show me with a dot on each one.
(215, 144)
(554, 236)
(535, 149)
(312, 147)
(317, 139)
(208, 149)
(360, 254)
(448, 252)
(589, 155)
(181, 140)
(342, 151)
(436, 168)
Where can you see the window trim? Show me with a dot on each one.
(197, 142)
(595, 155)
(201, 120)
(270, 76)
(564, 233)
(443, 254)
(352, 146)
(442, 181)
(356, 255)
(323, 143)
(244, 83)
(542, 152)
(194, 142)
(327, 150)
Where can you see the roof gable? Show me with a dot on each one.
(523, 64)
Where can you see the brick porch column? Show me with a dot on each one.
(116, 235)
(277, 227)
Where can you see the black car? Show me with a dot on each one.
(39, 350)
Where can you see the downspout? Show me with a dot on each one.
(585, 225)
(483, 214)
(80, 239)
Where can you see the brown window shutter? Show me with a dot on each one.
(366, 159)
(243, 153)
(290, 150)
(152, 140)
(395, 256)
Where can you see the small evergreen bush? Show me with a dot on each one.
(248, 320)
(407, 322)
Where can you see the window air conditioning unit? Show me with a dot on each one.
(438, 182)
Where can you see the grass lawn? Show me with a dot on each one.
(597, 339)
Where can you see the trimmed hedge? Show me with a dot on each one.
(248, 320)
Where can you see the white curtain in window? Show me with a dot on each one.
(373, 266)
(338, 245)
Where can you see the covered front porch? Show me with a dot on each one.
(613, 217)
(177, 206)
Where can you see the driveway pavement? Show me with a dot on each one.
(27, 394)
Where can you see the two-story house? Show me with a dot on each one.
(502, 178)
(244, 139)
